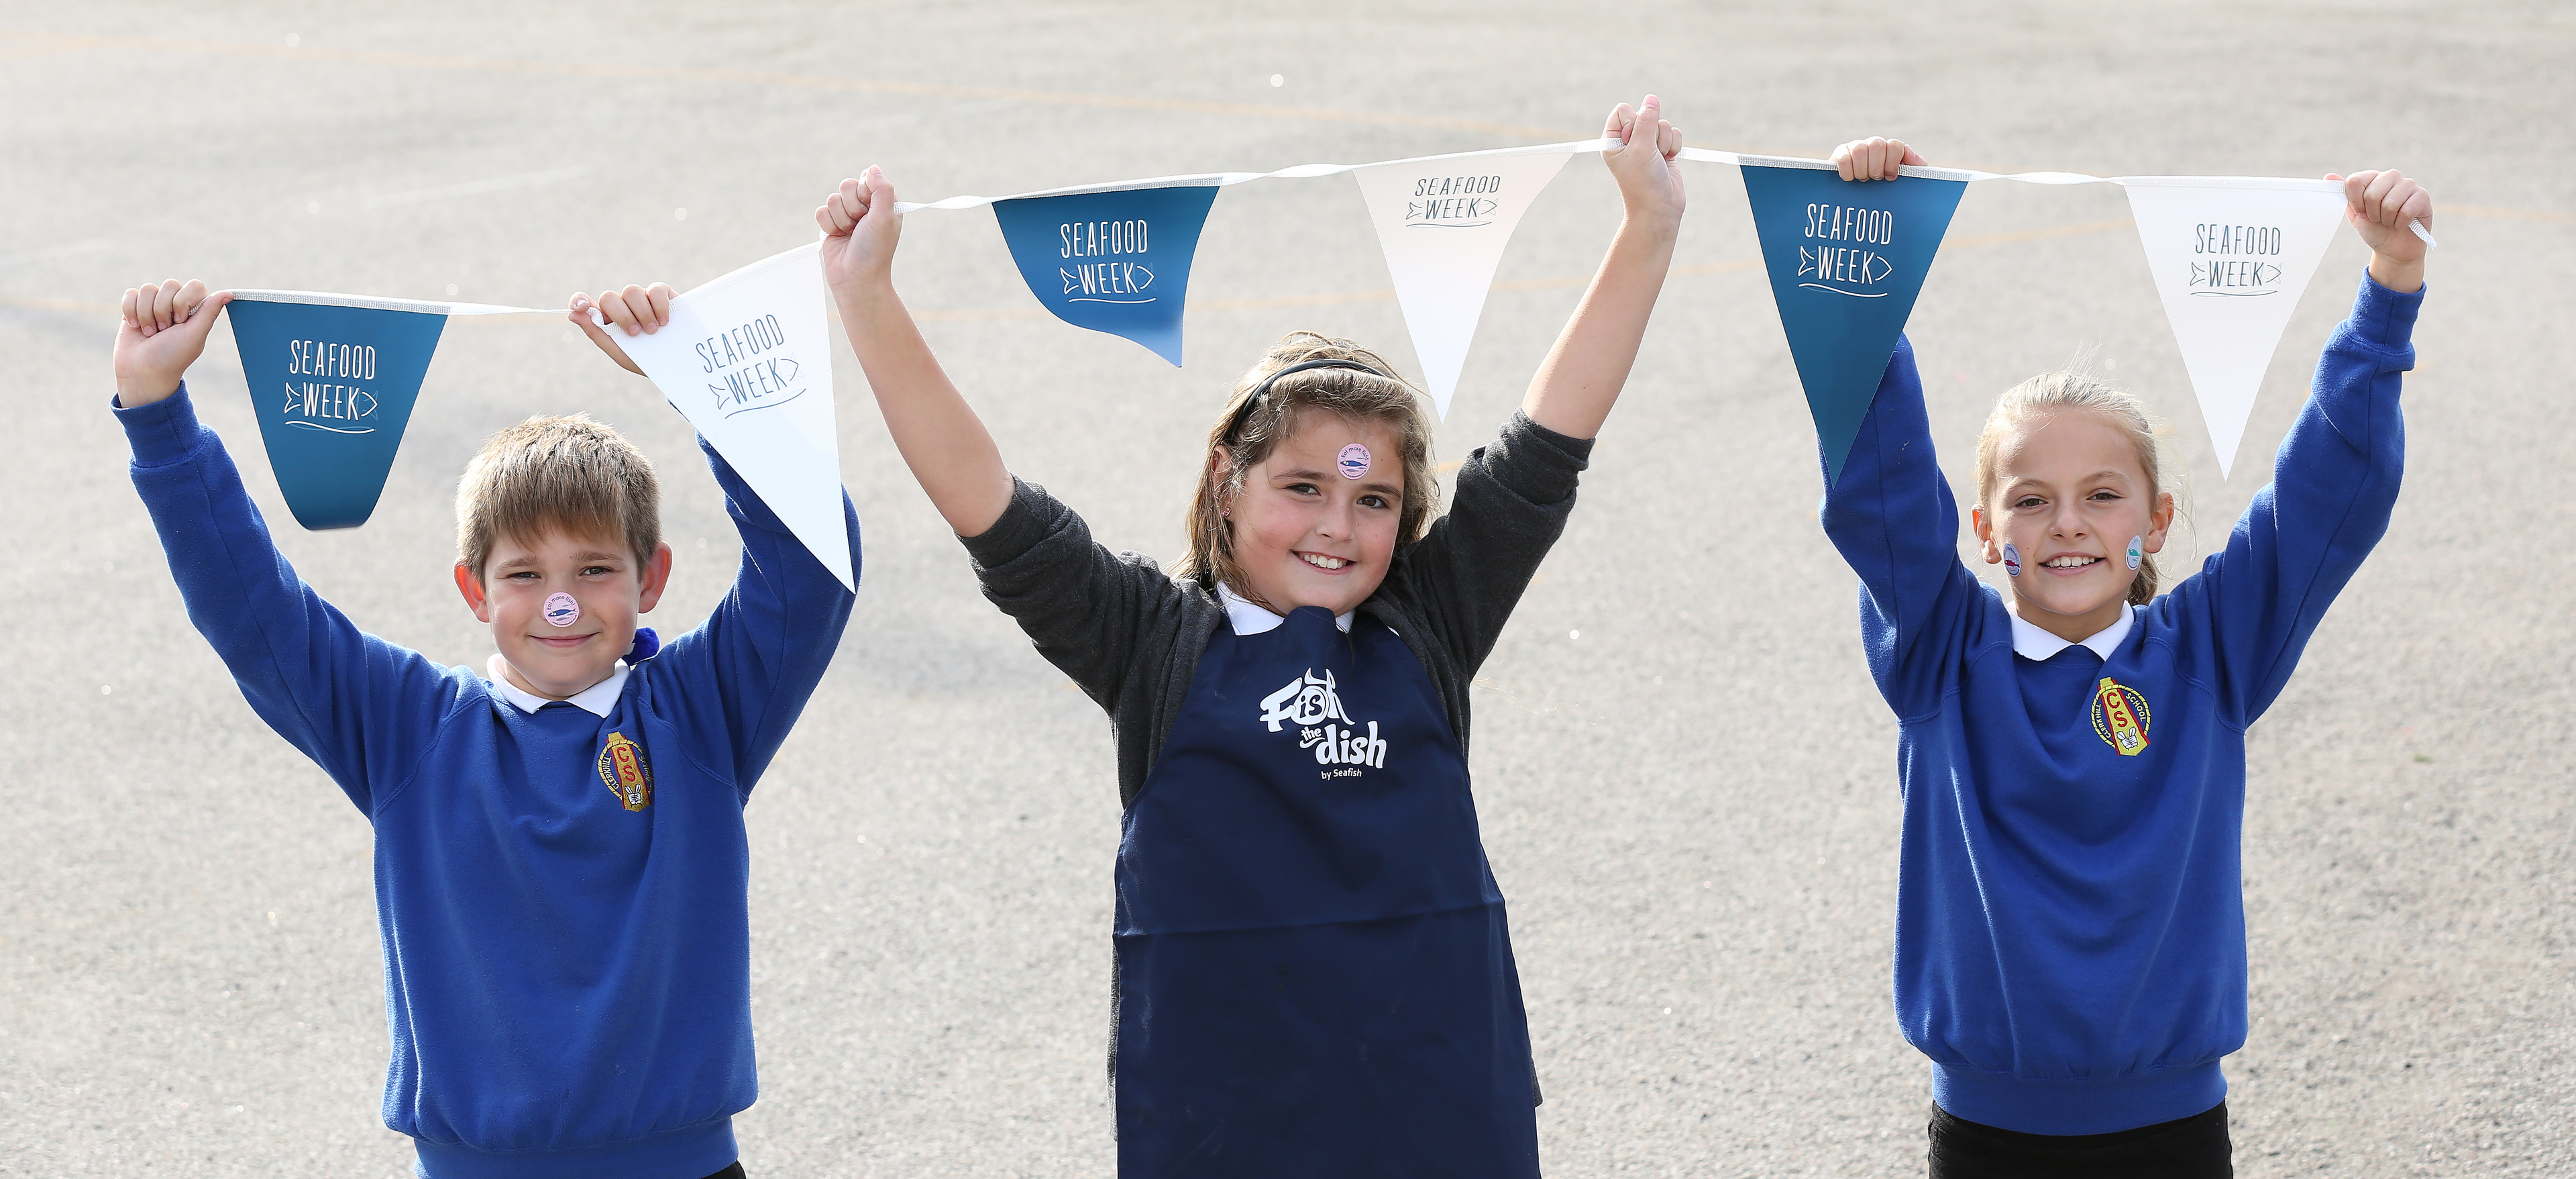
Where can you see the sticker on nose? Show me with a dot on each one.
(2137, 550)
(1354, 461)
(2012, 559)
(561, 610)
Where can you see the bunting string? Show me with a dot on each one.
(1299, 172)
(748, 362)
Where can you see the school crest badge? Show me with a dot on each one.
(2120, 717)
(621, 766)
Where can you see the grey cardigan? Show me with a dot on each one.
(1131, 635)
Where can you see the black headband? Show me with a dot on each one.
(1244, 411)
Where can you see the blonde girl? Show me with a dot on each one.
(1315, 973)
(2070, 937)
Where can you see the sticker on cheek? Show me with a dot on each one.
(1354, 461)
(561, 610)
(2012, 559)
(2137, 550)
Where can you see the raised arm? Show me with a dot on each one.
(756, 659)
(2334, 483)
(1580, 380)
(1892, 518)
(1106, 620)
(749, 668)
(1468, 571)
(360, 707)
(941, 439)
(1084, 607)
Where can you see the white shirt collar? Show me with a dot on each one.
(1249, 618)
(596, 699)
(2032, 643)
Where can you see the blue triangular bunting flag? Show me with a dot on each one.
(333, 384)
(1846, 258)
(1115, 262)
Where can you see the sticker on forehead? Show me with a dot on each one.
(561, 610)
(2012, 559)
(1354, 461)
(2137, 550)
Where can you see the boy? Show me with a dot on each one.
(559, 852)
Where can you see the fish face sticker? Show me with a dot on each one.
(1354, 461)
(2012, 559)
(562, 610)
(2137, 550)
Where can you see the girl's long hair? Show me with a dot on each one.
(1235, 448)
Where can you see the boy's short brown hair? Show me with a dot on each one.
(567, 474)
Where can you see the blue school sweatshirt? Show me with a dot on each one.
(2070, 929)
(567, 978)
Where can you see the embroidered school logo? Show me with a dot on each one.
(621, 766)
(1313, 705)
(2120, 717)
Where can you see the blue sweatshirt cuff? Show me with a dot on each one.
(164, 432)
(2384, 320)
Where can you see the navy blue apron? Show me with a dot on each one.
(1315, 978)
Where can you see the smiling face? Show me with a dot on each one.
(1307, 534)
(2069, 492)
(562, 607)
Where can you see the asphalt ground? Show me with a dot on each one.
(1686, 780)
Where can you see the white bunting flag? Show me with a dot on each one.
(1443, 222)
(2230, 255)
(748, 360)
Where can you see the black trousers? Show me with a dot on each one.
(732, 1172)
(2195, 1147)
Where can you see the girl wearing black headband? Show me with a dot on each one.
(1314, 972)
